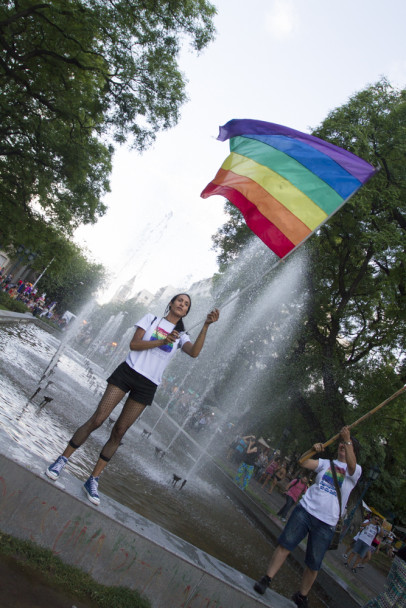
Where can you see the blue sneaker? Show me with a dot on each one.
(54, 470)
(90, 488)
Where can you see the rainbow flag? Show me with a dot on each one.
(285, 183)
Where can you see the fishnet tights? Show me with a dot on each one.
(129, 414)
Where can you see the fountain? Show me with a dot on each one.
(136, 477)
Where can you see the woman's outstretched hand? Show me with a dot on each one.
(213, 316)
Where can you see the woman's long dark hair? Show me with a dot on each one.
(179, 325)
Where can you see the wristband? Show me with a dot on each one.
(348, 442)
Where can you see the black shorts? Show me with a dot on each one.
(141, 389)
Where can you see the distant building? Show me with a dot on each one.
(124, 292)
(4, 259)
(19, 264)
(143, 297)
(201, 289)
(164, 294)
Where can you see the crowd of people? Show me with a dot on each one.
(258, 460)
(27, 293)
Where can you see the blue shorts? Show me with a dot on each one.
(360, 548)
(300, 524)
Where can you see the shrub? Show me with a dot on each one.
(11, 304)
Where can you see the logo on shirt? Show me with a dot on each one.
(327, 481)
(160, 334)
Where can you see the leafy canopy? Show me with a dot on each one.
(74, 75)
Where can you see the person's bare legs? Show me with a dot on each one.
(358, 560)
(278, 559)
(308, 578)
(267, 480)
(273, 484)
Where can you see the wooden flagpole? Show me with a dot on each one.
(311, 452)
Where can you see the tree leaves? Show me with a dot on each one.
(75, 75)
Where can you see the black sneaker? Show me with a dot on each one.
(262, 585)
(300, 600)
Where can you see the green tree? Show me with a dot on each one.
(357, 275)
(70, 279)
(75, 74)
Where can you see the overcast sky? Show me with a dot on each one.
(285, 61)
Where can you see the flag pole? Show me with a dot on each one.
(311, 452)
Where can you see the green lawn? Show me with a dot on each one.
(65, 578)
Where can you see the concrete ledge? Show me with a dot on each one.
(112, 543)
(8, 316)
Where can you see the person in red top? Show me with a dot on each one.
(295, 489)
(270, 470)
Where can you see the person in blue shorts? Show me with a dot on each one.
(316, 515)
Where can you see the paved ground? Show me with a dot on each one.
(21, 587)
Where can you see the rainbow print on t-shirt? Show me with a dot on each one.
(327, 481)
(160, 334)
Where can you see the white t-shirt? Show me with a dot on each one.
(368, 533)
(321, 499)
(356, 537)
(152, 363)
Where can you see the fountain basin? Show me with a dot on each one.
(112, 543)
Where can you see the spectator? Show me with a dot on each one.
(246, 468)
(261, 463)
(278, 476)
(295, 490)
(241, 446)
(369, 530)
(270, 470)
